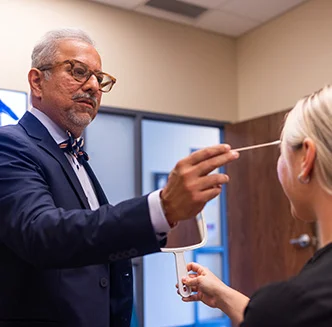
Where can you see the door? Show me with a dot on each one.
(259, 219)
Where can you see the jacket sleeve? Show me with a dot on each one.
(44, 234)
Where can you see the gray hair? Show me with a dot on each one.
(312, 117)
(45, 50)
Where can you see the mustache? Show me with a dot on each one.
(86, 96)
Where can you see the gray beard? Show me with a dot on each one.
(78, 120)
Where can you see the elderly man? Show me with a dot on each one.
(60, 239)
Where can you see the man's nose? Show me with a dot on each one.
(91, 84)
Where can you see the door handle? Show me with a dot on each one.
(302, 241)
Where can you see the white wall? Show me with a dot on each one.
(160, 66)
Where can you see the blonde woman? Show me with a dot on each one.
(305, 173)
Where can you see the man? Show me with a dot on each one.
(64, 250)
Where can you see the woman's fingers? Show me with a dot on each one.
(195, 267)
(193, 288)
(191, 298)
(192, 282)
(192, 275)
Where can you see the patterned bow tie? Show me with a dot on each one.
(74, 147)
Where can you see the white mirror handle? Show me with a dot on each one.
(181, 271)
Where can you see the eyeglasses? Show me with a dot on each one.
(82, 73)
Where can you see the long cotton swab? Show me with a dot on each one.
(257, 146)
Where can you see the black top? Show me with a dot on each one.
(303, 301)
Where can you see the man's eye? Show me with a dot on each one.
(79, 71)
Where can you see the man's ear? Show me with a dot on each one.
(35, 78)
(309, 156)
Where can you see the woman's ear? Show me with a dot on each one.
(309, 156)
(35, 78)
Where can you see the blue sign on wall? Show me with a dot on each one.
(13, 105)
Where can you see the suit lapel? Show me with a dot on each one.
(37, 130)
(99, 191)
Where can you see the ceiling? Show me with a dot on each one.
(228, 17)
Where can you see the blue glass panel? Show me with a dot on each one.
(163, 145)
(110, 145)
(214, 263)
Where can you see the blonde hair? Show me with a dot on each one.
(312, 117)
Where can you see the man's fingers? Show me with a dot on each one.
(209, 165)
(212, 180)
(190, 185)
(206, 153)
(205, 189)
(207, 195)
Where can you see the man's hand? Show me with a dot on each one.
(190, 186)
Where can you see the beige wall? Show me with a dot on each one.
(160, 66)
(285, 59)
(170, 68)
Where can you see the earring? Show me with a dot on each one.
(303, 181)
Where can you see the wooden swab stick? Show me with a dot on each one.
(257, 146)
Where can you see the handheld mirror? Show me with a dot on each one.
(186, 236)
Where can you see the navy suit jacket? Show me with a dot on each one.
(62, 264)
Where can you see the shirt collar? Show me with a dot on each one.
(57, 133)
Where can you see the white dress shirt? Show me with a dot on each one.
(157, 216)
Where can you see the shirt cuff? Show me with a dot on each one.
(158, 219)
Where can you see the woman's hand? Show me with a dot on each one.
(214, 293)
(207, 286)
